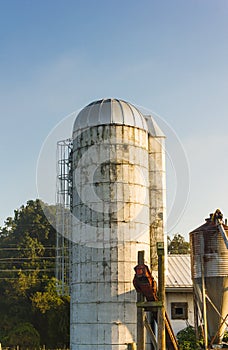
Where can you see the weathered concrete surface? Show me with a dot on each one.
(111, 209)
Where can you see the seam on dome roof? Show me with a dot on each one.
(100, 108)
(88, 115)
(121, 107)
(131, 109)
(111, 101)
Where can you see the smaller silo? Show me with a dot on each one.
(209, 259)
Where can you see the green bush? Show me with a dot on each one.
(24, 335)
(187, 339)
(225, 337)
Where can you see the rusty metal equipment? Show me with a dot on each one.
(144, 282)
(217, 218)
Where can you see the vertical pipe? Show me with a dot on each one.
(161, 296)
(140, 311)
(196, 316)
(204, 305)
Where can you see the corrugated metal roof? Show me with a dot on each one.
(179, 271)
(208, 226)
(109, 111)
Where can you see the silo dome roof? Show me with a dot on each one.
(109, 111)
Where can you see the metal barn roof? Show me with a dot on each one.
(179, 272)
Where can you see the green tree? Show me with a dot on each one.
(27, 268)
(52, 309)
(48, 299)
(178, 245)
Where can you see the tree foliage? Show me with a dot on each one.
(29, 302)
(225, 337)
(178, 245)
(24, 335)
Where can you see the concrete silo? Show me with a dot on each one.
(157, 187)
(117, 196)
(209, 258)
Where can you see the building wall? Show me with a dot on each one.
(180, 297)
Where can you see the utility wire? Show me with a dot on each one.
(32, 258)
(26, 270)
(21, 248)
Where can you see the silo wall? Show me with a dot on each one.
(157, 194)
(111, 224)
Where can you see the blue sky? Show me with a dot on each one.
(168, 56)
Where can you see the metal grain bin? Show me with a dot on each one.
(209, 259)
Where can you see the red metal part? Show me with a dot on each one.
(144, 282)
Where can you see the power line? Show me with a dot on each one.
(21, 248)
(16, 278)
(26, 270)
(32, 258)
